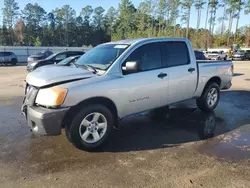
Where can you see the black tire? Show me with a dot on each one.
(73, 133)
(225, 58)
(13, 62)
(202, 101)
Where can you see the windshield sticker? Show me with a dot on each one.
(121, 46)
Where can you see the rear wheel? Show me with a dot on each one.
(91, 127)
(209, 98)
(13, 62)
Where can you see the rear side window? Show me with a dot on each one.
(176, 54)
(199, 55)
(2, 54)
(148, 56)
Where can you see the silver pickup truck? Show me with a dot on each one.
(117, 79)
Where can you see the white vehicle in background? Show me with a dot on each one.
(217, 55)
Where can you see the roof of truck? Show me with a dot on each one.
(132, 41)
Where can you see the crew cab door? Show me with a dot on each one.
(147, 88)
(182, 71)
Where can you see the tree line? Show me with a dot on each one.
(34, 26)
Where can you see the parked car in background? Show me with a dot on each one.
(247, 54)
(69, 61)
(53, 59)
(8, 58)
(205, 54)
(39, 56)
(240, 55)
(118, 79)
(217, 55)
(199, 55)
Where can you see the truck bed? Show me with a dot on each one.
(213, 68)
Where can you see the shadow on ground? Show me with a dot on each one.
(238, 74)
(183, 123)
(17, 65)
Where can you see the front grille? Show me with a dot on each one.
(31, 93)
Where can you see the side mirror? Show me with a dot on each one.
(131, 67)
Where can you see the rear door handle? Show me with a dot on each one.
(162, 75)
(191, 69)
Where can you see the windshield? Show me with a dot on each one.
(101, 57)
(40, 53)
(68, 60)
(240, 52)
(51, 56)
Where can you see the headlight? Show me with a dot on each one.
(32, 64)
(51, 97)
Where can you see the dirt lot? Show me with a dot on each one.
(173, 153)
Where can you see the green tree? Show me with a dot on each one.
(161, 13)
(98, 18)
(174, 13)
(231, 10)
(37, 42)
(198, 5)
(10, 13)
(207, 12)
(223, 18)
(239, 6)
(143, 19)
(34, 16)
(65, 18)
(213, 9)
(186, 5)
(86, 13)
(247, 11)
(126, 18)
(110, 20)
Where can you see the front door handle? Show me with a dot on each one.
(191, 69)
(162, 75)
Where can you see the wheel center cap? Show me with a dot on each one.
(92, 125)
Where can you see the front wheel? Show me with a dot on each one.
(13, 62)
(209, 98)
(91, 127)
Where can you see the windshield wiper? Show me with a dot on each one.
(92, 67)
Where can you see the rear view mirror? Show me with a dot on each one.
(131, 67)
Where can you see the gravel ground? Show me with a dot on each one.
(188, 149)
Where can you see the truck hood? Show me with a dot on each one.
(53, 74)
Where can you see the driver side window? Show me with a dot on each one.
(148, 56)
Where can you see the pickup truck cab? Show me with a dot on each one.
(117, 79)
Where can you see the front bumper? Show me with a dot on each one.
(30, 69)
(43, 121)
(227, 86)
(238, 58)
